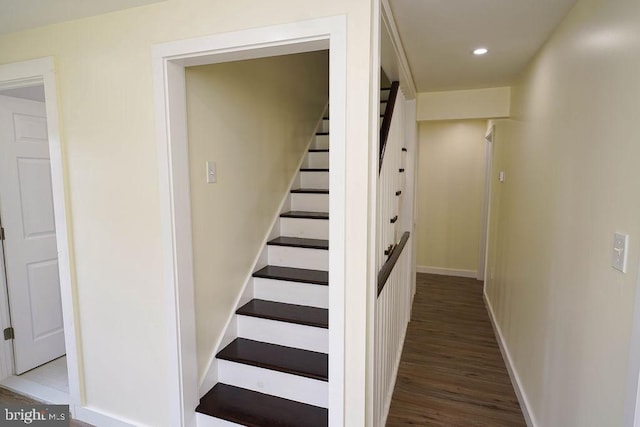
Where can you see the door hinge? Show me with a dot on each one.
(1, 233)
(8, 334)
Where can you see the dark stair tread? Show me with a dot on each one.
(314, 170)
(253, 409)
(322, 133)
(291, 313)
(311, 190)
(385, 88)
(318, 150)
(299, 242)
(305, 214)
(290, 360)
(289, 274)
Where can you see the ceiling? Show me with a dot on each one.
(17, 15)
(439, 36)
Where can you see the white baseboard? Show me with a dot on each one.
(472, 274)
(525, 405)
(97, 417)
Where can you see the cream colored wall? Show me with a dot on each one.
(105, 87)
(254, 119)
(465, 104)
(571, 162)
(450, 193)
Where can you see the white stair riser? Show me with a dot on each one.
(314, 180)
(309, 202)
(384, 95)
(324, 127)
(203, 420)
(287, 256)
(318, 160)
(303, 227)
(322, 141)
(292, 387)
(383, 107)
(291, 292)
(283, 333)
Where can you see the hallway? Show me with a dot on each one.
(452, 372)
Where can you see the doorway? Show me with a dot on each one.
(38, 355)
(29, 255)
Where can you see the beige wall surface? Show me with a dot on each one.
(450, 193)
(487, 103)
(571, 162)
(106, 109)
(254, 119)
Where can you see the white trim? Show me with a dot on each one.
(374, 238)
(29, 73)
(169, 61)
(632, 399)
(486, 203)
(101, 418)
(403, 64)
(471, 274)
(525, 405)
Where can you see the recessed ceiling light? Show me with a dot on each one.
(480, 51)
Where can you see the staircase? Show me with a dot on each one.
(275, 373)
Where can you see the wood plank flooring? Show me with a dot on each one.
(8, 397)
(452, 372)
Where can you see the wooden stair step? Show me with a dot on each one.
(299, 242)
(290, 360)
(305, 214)
(310, 191)
(291, 313)
(314, 170)
(322, 133)
(289, 274)
(318, 150)
(253, 409)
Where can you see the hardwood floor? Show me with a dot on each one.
(452, 372)
(8, 397)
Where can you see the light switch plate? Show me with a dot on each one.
(212, 173)
(620, 245)
(501, 176)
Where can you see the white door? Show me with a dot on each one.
(26, 212)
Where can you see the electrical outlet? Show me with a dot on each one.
(620, 245)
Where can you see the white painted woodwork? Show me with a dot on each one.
(27, 213)
(314, 180)
(287, 256)
(291, 292)
(392, 314)
(284, 333)
(203, 420)
(288, 386)
(390, 180)
(321, 141)
(310, 202)
(318, 159)
(324, 126)
(304, 227)
(384, 95)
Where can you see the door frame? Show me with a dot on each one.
(34, 73)
(169, 62)
(486, 203)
